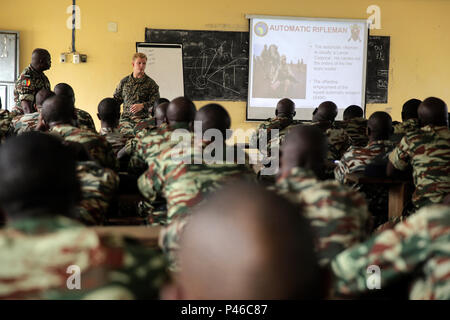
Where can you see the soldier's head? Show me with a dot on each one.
(41, 59)
(161, 113)
(57, 110)
(158, 102)
(409, 110)
(41, 96)
(379, 126)
(285, 108)
(258, 248)
(214, 116)
(37, 186)
(433, 111)
(181, 110)
(109, 113)
(326, 111)
(352, 112)
(63, 89)
(139, 63)
(304, 147)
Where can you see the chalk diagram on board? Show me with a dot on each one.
(217, 67)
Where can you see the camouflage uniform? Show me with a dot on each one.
(338, 140)
(283, 124)
(84, 120)
(148, 144)
(355, 160)
(27, 86)
(356, 130)
(36, 254)
(26, 123)
(185, 185)
(407, 126)
(98, 188)
(338, 214)
(146, 124)
(114, 137)
(97, 146)
(419, 245)
(279, 123)
(428, 152)
(5, 121)
(134, 91)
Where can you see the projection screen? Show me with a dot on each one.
(308, 60)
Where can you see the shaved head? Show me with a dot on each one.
(352, 112)
(57, 109)
(181, 109)
(379, 126)
(109, 111)
(410, 108)
(285, 108)
(43, 95)
(161, 113)
(326, 111)
(37, 185)
(305, 147)
(433, 111)
(41, 59)
(214, 116)
(63, 89)
(260, 247)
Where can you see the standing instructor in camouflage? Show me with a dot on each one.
(30, 81)
(137, 91)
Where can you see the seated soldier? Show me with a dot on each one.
(428, 152)
(185, 175)
(5, 121)
(41, 246)
(379, 128)
(338, 214)
(99, 187)
(127, 154)
(184, 171)
(284, 117)
(180, 114)
(410, 118)
(357, 159)
(418, 247)
(29, 121)
(283, 121)
(338, 140)
(255, 249)
(355, 125)
(109, 115)
(57, 116)
(82, 119)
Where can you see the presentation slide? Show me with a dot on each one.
(307, 60)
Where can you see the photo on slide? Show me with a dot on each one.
(275, 77)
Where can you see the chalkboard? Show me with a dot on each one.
(377, 69)
(215, 63)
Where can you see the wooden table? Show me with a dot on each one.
(146, 235)
(398, 190)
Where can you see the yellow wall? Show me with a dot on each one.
(419, 30)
